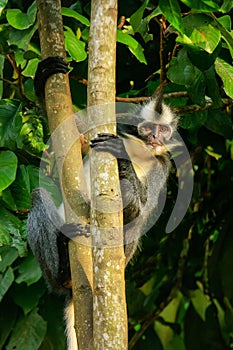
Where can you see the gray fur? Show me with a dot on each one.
(43, 228)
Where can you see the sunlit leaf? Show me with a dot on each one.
(210, 151)
(8, 166)
(200, 30)
(74, 46)
(136, 17)
(3, 4)
(171, 11)
(132, 44)
(225, 71)
(202, 5)
(19, 20)
(71, 13)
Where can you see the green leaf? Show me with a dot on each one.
(27, 297)
(71, 13)
(19, 20)
(140, 24)
(202, 59)
(8, 199)
(181, 69)
(226, 34)
(202, 5)
(193, 121)
(74, 46)
(8, 316)
(136, 17)
(200, 303)
(225, 71)
(28, 333)
(226, 6)
(212, 85)
(29, 271)
(22, 38)
(211, 152)
(201, 32)
(219, 122)
(9, 227)
(38, 179)
(21, 189)
(10, 122)
(3, 4)
(6, 281)
(182, 72)
(132, 44)
(30, 55)
(31, 68)
(7, 256)
(29, 92)
(8, 166)
(196, 91)
(171, 11)
(52, 312)
(31, 137)
(4, 38)
(225, 21)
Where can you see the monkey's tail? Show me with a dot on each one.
(70, 330)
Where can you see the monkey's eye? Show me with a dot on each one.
(163, 129)
(145, 131)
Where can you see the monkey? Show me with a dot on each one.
(141, 147)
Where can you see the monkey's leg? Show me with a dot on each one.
(46, 69)
(48, 237)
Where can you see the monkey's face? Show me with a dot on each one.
(155, 136)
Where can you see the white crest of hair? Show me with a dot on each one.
(70, 330)
(148, 113)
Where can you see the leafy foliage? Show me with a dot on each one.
(180, 284)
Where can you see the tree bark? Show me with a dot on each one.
(109, 305)
(67, 146)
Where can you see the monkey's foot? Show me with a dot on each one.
(75, 230)
(45, 69)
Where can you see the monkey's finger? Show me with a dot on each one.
(74, 230)
(101, 138)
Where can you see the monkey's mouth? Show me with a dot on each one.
(154, 144)
(156, 148)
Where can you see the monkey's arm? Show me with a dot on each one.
(140, 194)
(132, 189)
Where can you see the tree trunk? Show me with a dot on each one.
(109, 305)
(67, 146)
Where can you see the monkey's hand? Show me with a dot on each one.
(46, 69)
(110, 143)
(75, 230)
